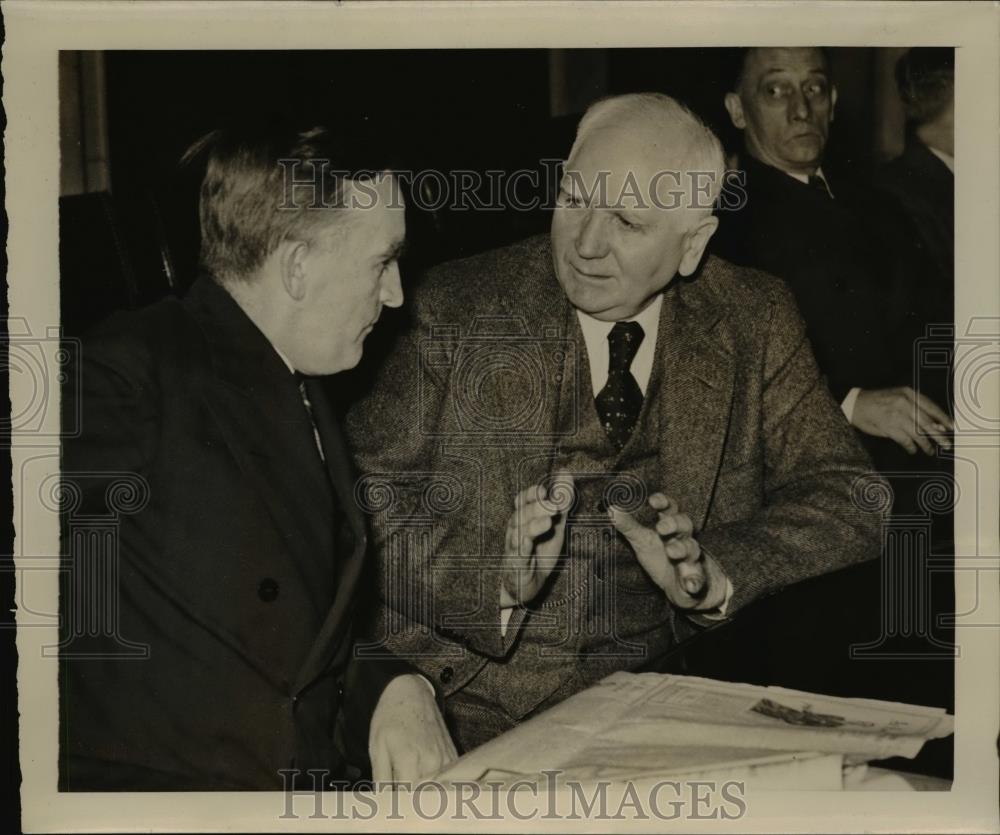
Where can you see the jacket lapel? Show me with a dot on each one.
(695, 377)
(340, 472)
(551, 325)
(255, 400)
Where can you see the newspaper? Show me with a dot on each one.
(630, 725)
(685, 710)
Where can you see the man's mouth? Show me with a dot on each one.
(593, 276)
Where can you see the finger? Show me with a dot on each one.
(658, 501)
(924, 443)
(646, 544)
(903, 439)
(928, 427)
(692, 577)
(625, 523)
(528, 496)
(682, 549)
(929, 424)
(539, 525)
(936, 413)
(677, 523)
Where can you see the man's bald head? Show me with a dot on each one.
(664, 133)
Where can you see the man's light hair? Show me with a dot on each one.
(694, 147)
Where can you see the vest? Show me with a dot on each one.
(599, 612)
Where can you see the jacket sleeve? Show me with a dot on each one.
(438, 555)
(823, 505)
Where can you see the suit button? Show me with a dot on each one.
(447, 674)
(267, 590)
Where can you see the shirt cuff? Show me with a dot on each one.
(847, 407)
(721, 612)
(505, 613)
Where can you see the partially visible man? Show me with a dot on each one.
(922, 180)
(842, 251)
(234, 575)
(589, 446)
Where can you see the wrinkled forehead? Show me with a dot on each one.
(806, 60)
(633, 169)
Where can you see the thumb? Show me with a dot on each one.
(627, 525)
(646, 544)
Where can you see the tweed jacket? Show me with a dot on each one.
(479, 393)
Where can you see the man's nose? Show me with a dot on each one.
(591, 241)
(391, 294)
(799, 107)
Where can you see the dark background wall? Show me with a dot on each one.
(128, 116)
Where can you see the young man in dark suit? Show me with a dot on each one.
(219, 652)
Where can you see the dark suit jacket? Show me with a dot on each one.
(752, 446)
(923, 188)
(844, 260)
(233, 563)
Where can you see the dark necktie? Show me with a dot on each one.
(619, 402)
(819, 184)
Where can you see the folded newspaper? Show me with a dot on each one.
(630, 725)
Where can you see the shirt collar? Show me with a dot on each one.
(947, 159)
(804, 178)
(597, 329)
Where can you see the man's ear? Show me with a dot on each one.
(833, 101)
(292, 262)
(734, 105)
(694, 243)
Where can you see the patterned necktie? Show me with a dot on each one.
(820, 184)
(619, 402)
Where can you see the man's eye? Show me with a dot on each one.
(817, 88)
(624, 222)
(775, 91)
(568, 199)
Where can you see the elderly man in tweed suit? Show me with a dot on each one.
(586, 445)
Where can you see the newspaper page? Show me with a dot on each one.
(648, 723)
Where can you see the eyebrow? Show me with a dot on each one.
(396, 251)
(811, 71)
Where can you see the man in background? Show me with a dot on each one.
(842, 251)
(846, 253)
(922, 182)
(235, 574)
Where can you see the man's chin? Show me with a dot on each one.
(807, 151)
